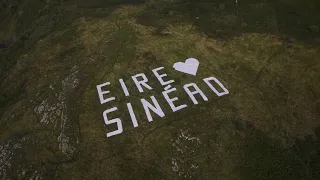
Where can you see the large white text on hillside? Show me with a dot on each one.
(190, 66)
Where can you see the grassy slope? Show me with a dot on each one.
(268, 62)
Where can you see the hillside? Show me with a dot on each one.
(55, 56)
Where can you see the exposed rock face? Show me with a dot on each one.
(53, 111)
(9, 149)
(186, 148)
(56, 114)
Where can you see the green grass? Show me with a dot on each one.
(266, 59)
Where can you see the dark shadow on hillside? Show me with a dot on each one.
(226, 19)
(265, 158)
(3, 46)
(106, 3)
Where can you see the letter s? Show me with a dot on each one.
(117, 120)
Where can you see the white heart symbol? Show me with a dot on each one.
(190, 66)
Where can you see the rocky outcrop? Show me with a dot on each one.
(56, 113)
(36, 154)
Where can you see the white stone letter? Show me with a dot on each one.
(159, 77)
(124, 87)
(132, 115)
(117, 120)
(197, 91)
(225, 91)
(155, 108)
(171, 100)
(101, 93)
(143, 82)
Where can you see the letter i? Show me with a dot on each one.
(124, 87)
(132, 115)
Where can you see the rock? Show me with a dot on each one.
(165, 32)
(197, 18)
(219, 31)
(222, 6)
(313, 28)
(244, 24)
